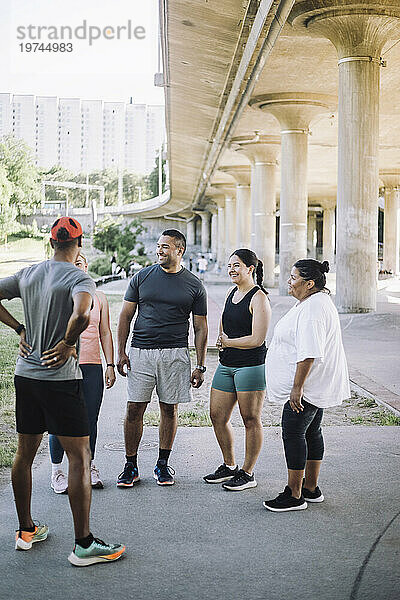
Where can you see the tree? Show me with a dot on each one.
(17, 160)
(8, 212)
(111, 236)
(153, 179)
(106, 234)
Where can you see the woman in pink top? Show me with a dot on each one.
(98, 332)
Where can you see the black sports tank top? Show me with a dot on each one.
(237, 322)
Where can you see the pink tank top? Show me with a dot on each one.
(90, 338)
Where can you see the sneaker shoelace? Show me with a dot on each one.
(166, 470)
(128, 470)
(284, 495)
(100, 542)
(238, 475)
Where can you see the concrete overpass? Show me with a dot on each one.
(291, 106)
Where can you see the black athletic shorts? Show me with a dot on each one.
(54, 406)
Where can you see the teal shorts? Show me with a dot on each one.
(239, 379)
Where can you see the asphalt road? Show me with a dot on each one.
(195, 541)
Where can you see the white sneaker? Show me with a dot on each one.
(95, 478)
(59, 482)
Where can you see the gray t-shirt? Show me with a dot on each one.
(47, 290)
(165, 301)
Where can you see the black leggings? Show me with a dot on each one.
(302, 435)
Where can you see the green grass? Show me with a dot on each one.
(19, 254)
(367, 403)
(188, 418)
(380, 417)
(385, 417)
(8, 355)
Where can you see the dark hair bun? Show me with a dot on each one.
(325, 267)
(62, 234)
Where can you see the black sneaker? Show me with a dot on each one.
(129, 476)
(163, 473)
(315, 496)
(240, 481)
(285, 502)
(223, 473)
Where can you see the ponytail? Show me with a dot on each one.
(260, 276)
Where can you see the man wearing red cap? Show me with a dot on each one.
(57, 298)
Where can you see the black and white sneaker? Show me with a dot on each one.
(240, 481)
(223, 473)
(315, 496)
(285, 502)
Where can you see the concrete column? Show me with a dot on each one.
(311, 235)
(230, 226)
(214, 231)
(191, 231)
(227, 210)
(262, 152)
(294, 112)
(205, 231)
(391, 243)
(221, 233)
(329, 230)
(358, 32)
(241, 174)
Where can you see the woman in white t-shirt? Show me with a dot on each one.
(306, 370)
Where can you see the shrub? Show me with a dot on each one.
(101, 266)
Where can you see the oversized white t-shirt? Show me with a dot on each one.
(311, 329)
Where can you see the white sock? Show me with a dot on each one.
(231, 467)
(55, 467)
(249, 474)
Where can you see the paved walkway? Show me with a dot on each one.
(194, 541)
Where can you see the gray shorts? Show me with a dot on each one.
(166, 369)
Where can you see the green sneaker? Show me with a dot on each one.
(97, 552)
(25, 539)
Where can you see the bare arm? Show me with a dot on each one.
(302, 370)
(124, 324)
(78, 321)
(200, 341)
(7, 318)
(106, 339)
(261, 310)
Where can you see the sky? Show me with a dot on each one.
(107, 69)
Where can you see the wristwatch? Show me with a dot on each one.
(20, 328)
(201, 368)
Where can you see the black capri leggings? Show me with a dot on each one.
(302, 435)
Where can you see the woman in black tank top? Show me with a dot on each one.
(240, 375)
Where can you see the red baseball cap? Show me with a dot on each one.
(72, 226)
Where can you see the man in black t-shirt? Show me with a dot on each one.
(165, 295)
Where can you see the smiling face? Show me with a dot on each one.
(298, 287)
(239, 273)
(81, 263)
(168, 254)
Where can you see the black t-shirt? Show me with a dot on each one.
(237, 322)
(165, 301)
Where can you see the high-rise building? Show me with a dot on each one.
(154, 135)
(92, 136)
(46, 130)
(113, 134)
(135, 138)
(24, 119)
(5, 114)
(85, 135)
(69, 134)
